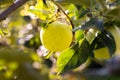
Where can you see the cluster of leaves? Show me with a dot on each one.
(97, 12)
(86, 15)
(90, 20)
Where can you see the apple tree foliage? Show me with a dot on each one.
(21, 52)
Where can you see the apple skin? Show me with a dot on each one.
(102, 53)
(56, 36)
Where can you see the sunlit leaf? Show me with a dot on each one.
(40, 13)
(65, 57)
(79, 35)
(75, 58)
(1, 33)
(83, 52)
(79, 57)
(72, 11)
(44, 9)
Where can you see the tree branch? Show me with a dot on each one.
(12, 8)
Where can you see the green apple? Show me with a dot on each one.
(56, 36)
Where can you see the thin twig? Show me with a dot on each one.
(64, 13)
(12, 8)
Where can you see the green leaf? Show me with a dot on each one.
(72, 11)
(90, 35)
(115, 13)
(94, 22)
(111, 21)
(97, 44)
(83, 52)
(42, 14)
(77, 56)
(80, 56)
(109, 41)
(79, 35)
(84, 12)
(65, 57)
(102, 40)
(44, 10)
(1, 33)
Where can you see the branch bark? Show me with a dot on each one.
(12, 8)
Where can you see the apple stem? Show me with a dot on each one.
(64, 13)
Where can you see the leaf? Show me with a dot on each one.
(1, 33)
(44, 1)
(79, 35)
(115, 13)
(80, 56)
(40, 4)
(44, 10)
(115, 31)
(97, 44)
(109, 41)
(102, 53)
(73, 11)
(94, 22)
(84, 12)
(76, 57)
(90, 35)
(112, 21)
(65, 57)
(40, 13)
(104, 39)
